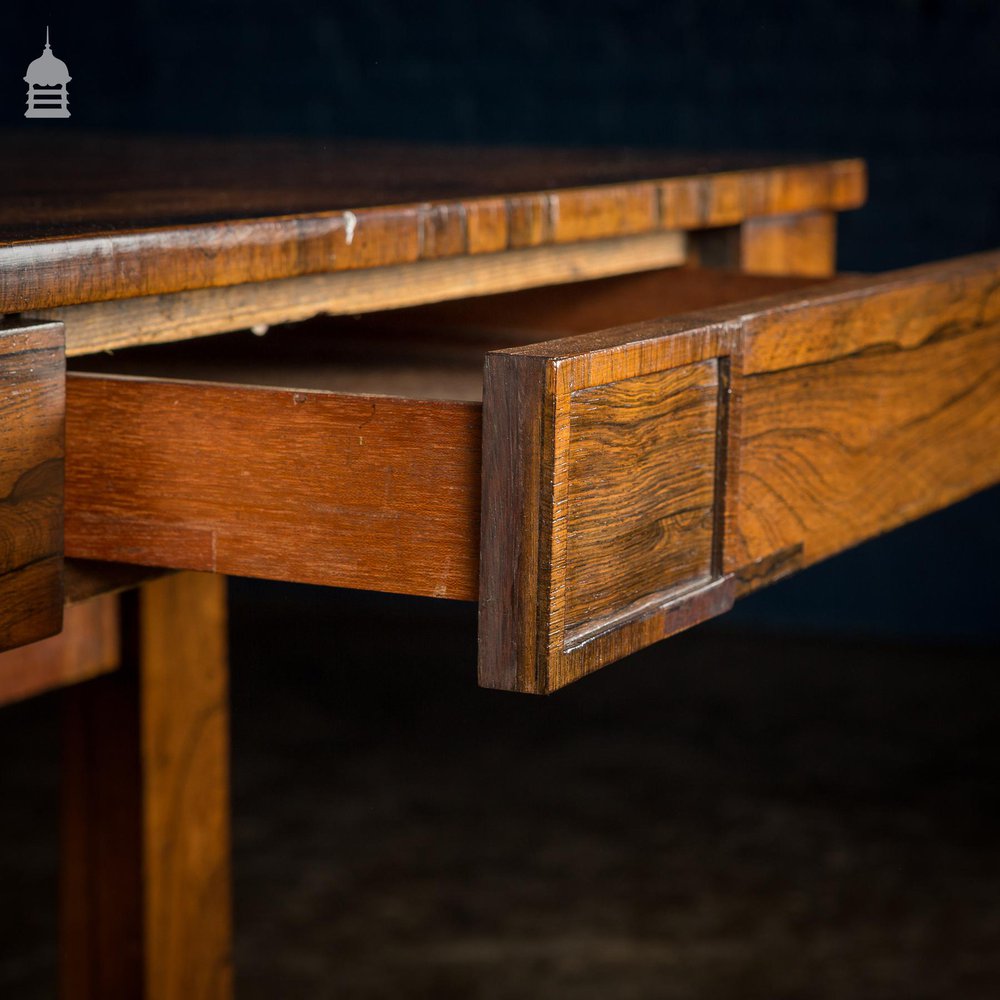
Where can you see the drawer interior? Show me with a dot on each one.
(331, 355)
(430, 352)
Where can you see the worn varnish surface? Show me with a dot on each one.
(32, 404)
(145, 893)
(202, 214)
(155, 319)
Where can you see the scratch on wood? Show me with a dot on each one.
(350, 224)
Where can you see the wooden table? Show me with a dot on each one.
(604, 393)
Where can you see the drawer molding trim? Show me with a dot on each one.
(644, 430)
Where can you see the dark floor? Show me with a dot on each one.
(723, 816)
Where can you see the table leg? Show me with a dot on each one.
(804, 244)
(145, 906)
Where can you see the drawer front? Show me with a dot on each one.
(32, 409)
(636, 481)
(603, 503)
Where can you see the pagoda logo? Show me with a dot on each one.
(47, 78)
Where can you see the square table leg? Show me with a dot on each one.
(145, 908)
(802, 244)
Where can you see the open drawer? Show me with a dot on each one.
(632, 481)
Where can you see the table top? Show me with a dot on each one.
(87, 218)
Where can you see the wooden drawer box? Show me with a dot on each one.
(632, 481)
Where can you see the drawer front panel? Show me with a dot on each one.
(624, 442)
(604, 490)
(839, 412)
(32, 409)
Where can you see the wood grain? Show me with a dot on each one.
(32, 408)
(156, 319)
(606, 471)
(320, 487)
(643, 447)
(850, 409)
(803, 244)
(514, 591)
(297, 484)
(145, 896)
(86, 647)
(189, 214)
(869, 407)
(529, 315)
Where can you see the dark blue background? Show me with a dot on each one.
(911, 85)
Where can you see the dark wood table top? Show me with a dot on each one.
(87, 217)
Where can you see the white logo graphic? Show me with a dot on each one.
(46, 79)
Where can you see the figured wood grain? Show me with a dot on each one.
(32, 406)
(850, 409)
(145, 894)
(644, 448)
(86, 647)
(320, 487)
(203, 214)
(608, 469)
(866, 443)
(868, 407)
